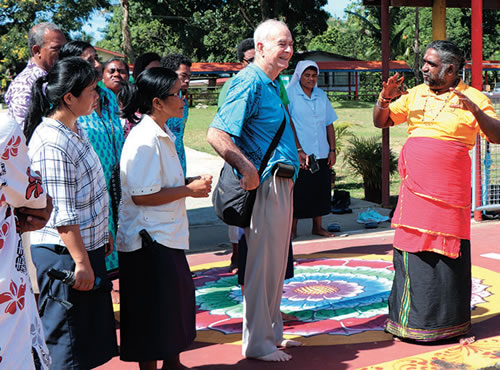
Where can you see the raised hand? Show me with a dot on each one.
(393, 88)
(464, 102)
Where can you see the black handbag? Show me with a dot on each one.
(232, 204)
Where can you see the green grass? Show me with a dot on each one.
(195, 135)
(357, 113)
(360, 114)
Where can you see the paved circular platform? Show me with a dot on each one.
(333, 298)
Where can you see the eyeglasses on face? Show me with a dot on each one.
(249, 60)
(179, 94)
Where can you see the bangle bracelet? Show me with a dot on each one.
(381, 97)
(300, 149)
(381, 107)
(332, 150)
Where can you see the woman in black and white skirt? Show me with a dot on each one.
(157, 315)
(312, 115)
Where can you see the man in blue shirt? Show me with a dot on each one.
(241, 133)
(182, 66)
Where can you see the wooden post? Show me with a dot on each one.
(477, 82)
(356, 91)
(349, 84)
(439, 20)
(385, 131)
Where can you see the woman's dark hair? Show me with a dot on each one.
(311, 68)
(243, 46)
(152, 83)
(174, 61)
(69, 75)
(142, 62)
(74, 49)
(116, 59)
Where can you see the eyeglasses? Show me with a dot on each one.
(249, 60)
(120, 71)
(179, 94)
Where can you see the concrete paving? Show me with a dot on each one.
(208, 233)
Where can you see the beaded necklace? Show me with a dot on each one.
(448, 98)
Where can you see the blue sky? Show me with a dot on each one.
(97, 23)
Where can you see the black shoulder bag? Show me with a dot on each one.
(232, 204)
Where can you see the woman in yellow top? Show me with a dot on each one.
(430, 297)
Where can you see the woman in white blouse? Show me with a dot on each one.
(157, 304)
(312, 115)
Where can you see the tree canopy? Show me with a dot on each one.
(209, 30)
(359, 36)
(18, 16)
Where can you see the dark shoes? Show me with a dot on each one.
(340, 203)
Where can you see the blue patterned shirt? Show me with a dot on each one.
(252, 114)
(177, 125)
(107, 146)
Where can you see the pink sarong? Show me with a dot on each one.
(433, 211)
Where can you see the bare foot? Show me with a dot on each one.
(467, 340)
(322, 232)
(275, 356)
(115, 296)
(288, 343)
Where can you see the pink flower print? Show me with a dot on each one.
(35, 184)
(14, 298)
(12, 147)
(4, 231)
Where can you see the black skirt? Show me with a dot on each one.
(157, 303)
(312, 192)
(430, 298)
(83, 336)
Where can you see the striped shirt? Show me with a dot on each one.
(73, 175)
(18, 96)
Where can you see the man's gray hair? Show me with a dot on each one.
(265, 29)
(37, 32)
(449, 53)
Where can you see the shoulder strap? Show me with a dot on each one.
(273, 145)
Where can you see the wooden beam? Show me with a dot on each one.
(487, 4)
(385, 21)
(477, 82)
(439, 20)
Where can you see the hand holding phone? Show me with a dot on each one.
(313, 164)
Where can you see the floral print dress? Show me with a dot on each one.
(21, 328)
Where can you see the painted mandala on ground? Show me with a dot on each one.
(327, 296)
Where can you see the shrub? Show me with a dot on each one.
(364, 156)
